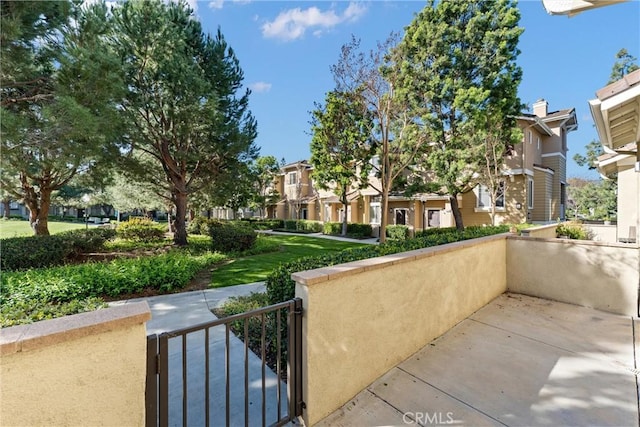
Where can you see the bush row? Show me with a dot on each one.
(21, 253)
(141, 229)
(34, 295)
(229, 237)
(303, 225)
(353, 229)
(280, 287)
(264, 224)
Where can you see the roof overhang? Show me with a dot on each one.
(616, 112)
(537, 124)
(573, 7)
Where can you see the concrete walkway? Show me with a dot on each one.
(174, 311)
(519, 361)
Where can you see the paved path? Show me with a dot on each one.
(519, 361)
(175, 311)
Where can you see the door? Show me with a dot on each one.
(433, 218)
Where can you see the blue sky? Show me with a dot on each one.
(287, 47)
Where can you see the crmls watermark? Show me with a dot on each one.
(429, 418)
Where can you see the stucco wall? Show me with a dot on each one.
(86, 369)
(628, 200)
(591, 274)
(543, 231)
(363, 318)
(602, 233)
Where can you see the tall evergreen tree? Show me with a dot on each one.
(459, 73)
(340, 148)
(625, 64)
(183, 108)
(263, 173)
(59, 86)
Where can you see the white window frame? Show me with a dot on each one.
(479, 189)
(292, 176)
(538, 142)
(426, 213)
(327, 212)
(377, 207)
(406, 215)
(530, 193)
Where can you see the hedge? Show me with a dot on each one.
(141, 229)
(35, 295)
(22, 253)
(397, 232)
(353, 229)
(281, 288)
(303, 225)
(229, 237)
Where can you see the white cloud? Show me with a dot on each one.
(260, 87)
(242, 1)
(293, 23)
(216, 4)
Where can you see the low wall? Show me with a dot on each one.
(591, 274)
(363, 318)
(85, 369)
(543, 231)
(602, 233)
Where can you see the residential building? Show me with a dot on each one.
(616, 112)
(534, 186)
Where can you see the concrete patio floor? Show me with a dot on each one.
(519, 361)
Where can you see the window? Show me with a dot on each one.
(375, 213)
(433, 217)
(14, 205)
(530, 137)
(304, 213)
(292, 178)
(401, 216)
(327, 212)
(538, 143)
(484, 196)
(530, 193)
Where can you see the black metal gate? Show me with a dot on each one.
(240, 370)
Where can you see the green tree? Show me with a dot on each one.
(593, 199)
(625, 64)
(459, 71)
(590, 159)
(340, 149)
(263, 172)
(59, 87)
(371, 78)
(182, 107)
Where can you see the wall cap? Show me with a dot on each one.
(575, 242)
(318, 275)
(54, 331)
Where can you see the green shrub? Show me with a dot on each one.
(196, 225)
(141, 229)
(36, 294)
(267, 224)
(290, 224)
(228, 237)
(302, 225)
(572, 230)
(397, 232)
(280, 287)
(22, 253)
(353, 229)
(434, 231)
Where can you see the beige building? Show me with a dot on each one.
(616, 112)
(534, 186)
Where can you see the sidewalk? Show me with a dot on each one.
(175, 311)
(370, 240)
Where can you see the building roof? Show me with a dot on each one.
(538, 123)
(616, 112)
(568, 115)
(573, 7)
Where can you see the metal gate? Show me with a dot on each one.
(240, 370)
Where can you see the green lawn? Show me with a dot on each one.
(256, 268)
(15, 228)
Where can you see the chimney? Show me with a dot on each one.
(540, 108)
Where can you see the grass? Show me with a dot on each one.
(255, 268)
(16, 228)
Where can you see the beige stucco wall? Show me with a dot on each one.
(363, 318)
(628, 199)
(602, 233)
(591, 274)
(543, 231)
(83, 370)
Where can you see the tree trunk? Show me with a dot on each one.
(180, 232)
(384, 205)
(39, 211)
(457, 215)
(344, 217)
(6, 202)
